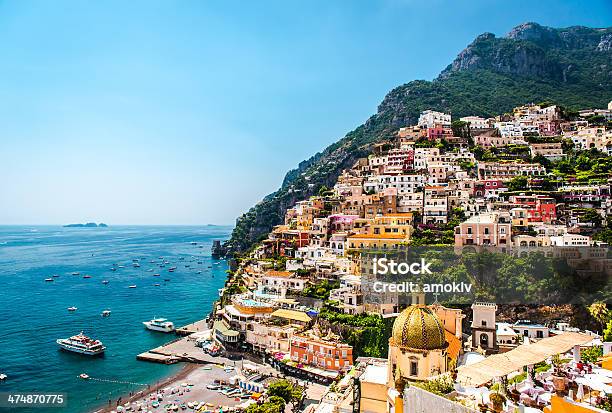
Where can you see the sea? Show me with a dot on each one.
(34, 312)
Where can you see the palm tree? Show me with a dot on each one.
(599, 311)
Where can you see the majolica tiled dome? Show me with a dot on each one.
(417, 327)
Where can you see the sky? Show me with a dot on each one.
(189, 112)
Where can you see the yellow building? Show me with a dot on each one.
(376, 241)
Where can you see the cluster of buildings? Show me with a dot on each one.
(425, 178)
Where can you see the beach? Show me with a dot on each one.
(189, 385)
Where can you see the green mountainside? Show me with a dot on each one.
(571, 67)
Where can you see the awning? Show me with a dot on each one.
(500, 365)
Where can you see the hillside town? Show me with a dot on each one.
(532, 185)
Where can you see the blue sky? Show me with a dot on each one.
(189, 112)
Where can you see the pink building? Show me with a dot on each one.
(490, 229)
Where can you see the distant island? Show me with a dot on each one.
(87, 225)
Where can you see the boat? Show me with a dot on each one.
(81, 344)
(166, 279)
(105, 282)
(87, 276)
(55, 275)
(199, 272)
(171, 269)
(3, 376)
(106, 313)
(132, 286)
(155, 275)
(136, 265)
(113, 269)
(159, 324)
(150, 270)
(49, 279)
(76, 273)
(84, 376)
(156, 285)
(72, 308)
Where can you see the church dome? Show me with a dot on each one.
(417, 327)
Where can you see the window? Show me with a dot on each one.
(414, 368)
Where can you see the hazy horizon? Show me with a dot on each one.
(178, 113)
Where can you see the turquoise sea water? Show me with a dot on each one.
(34, 312)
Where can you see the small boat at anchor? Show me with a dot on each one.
(106, 313)
(72, 308)
(132, 286)
(49, 279)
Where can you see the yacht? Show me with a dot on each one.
(76, 273)
(132, 286)
(105, 282)
(81, 344)
(48, 279)
(72, 308)
(160, 324)
(106, 313)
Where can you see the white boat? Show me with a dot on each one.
(72, 308)
(132, 286)
(3, 376)
(106, 313)
(49, 279)
(159, 324)
(81, 344)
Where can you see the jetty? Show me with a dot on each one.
(195, 327)
(182, 349)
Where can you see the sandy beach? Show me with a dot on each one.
(188, 385)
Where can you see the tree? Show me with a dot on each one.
(518, 183)
(285, 390)
(592, 216)
(599, 311)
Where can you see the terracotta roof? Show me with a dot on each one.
(454, 345)
(274, 273)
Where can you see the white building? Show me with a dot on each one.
(476, 122)
(430, 118)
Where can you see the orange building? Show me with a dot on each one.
(320, 353)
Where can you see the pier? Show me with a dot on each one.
(182, 349)
(188, 329)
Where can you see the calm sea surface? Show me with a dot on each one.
(33, 313)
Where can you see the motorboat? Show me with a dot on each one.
(49, 279)
(159, 324)
(132, 286)
(72, 308)
(106, 313)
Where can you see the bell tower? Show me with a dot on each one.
(484, 331)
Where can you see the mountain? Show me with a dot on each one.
(569, 66)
